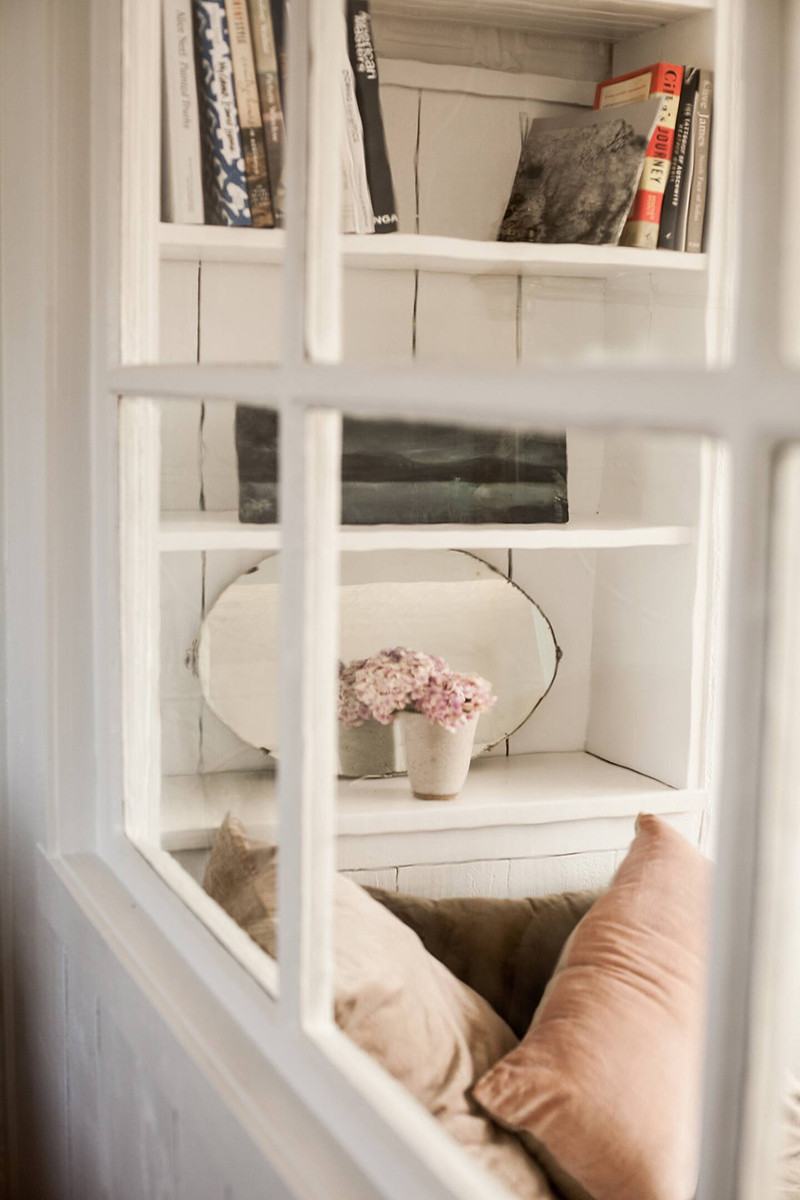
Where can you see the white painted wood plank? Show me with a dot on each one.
(521, 790)
(642, 661)
(382, 879)
(240, 310)
(86, 1121)
(562, 321)
(180, 444)
(408, 251)
(223, 531)
(220, 475)
(689, 40)
(609, 19)
(560, 873)
(585, 459)
(469, 148)
(400, 107)
(477, 81)
(466, 320)
(562, 584)
(374, 851)
(440, 880)
(379, 316)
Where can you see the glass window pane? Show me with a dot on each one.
(485, 220)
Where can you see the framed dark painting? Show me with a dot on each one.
(414, 473)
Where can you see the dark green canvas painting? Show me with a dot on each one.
(410, 473)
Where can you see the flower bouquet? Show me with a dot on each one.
(437, 709)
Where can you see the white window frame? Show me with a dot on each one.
(753, 407)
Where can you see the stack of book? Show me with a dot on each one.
(669, 210)
(224, 70)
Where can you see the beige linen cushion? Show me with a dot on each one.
(604, 1088)
(430, 1031)
(505, 949)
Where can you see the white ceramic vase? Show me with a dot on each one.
(368, 749)
(437, 760)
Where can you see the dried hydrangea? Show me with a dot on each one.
(400, 680)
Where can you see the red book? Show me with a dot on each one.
(660, 79)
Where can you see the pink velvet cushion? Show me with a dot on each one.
(605, 1087)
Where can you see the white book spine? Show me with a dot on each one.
(360, 217)
(182, 187)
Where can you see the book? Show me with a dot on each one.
(698, 193)
(663, 80)
(248, 108)
(266, 59)
(181, 175)
(365, 68)
(357, 214)
(688, 171)
(227, 201)
(280, 17)
(676, 194)
(578, 174)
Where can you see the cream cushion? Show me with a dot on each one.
(430, 1031)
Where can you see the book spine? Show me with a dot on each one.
(266, 60)
(225, 182)
(279, 19)
(249, 110)
(355, 167)
(685, 195)
(643, 222)
(677, 183)
(365, 68)
(182, 185)
(699, 187)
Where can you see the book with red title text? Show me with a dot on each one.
(663, 80)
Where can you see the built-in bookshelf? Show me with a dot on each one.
(419, 252)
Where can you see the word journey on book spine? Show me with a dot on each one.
(669, 210)
(223, 127)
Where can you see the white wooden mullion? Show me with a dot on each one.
(309, 504)
(139, 422)
(732, 949)
(697, 401)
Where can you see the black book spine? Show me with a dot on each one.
(363, 60)
(278, 10)
(676, 195)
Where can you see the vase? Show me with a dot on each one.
(367, 749)
(437, 759)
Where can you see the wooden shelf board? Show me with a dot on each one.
(411, 252)
(609, 20)
(520, 790)
(223, 531)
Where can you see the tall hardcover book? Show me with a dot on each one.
(248, 107)
(663, 80)
(365, 68)
(676, 197)
(685, 196)
(698, 194)
(181, 175)
(357, 214)
(269, 91)
(227, 201)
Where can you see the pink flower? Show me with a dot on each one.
(400, 680)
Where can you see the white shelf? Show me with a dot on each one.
(223, 531)
(409, 252)
(609, 20)
(520, 790)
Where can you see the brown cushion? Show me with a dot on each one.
(505, 949)
(605, 1086)
(430, 1031)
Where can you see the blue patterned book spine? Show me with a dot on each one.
(227, 199)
